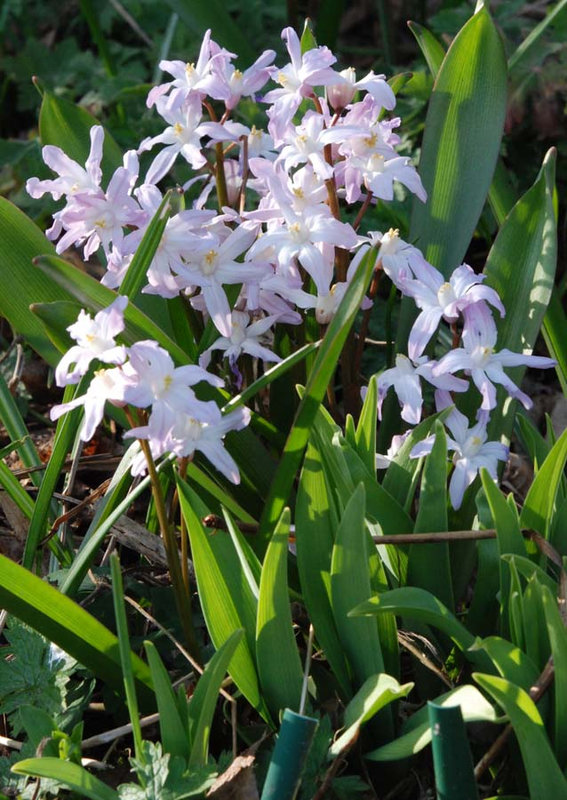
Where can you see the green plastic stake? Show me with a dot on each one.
(289, 756)
(452, 760)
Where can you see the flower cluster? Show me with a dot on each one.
(144, 376)
(464, 303)
(276, 234)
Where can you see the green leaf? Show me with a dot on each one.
(543, 773)
(421, 605)
(93, 296)
(416, 731)
(320, 375)
(522, 56)
(20, 242)
(68, 625)
(554, 327)
(66, 432)
(71, 775)
(204, 700)
(521, 267)
(17, 430)
(366, 428)
(429, 566)
(136, 276)
(461, 143)
(226, 598)
(537, 512)
(124, 650)
(315, 523)
(174, 735)
(68, 126)
(400, 475)
(271, 375)
(510, 661)
(15, 490)
(509, 537)
(279, 665)
(558, 640)
(432, 49)
(350, 583)
(375, 693)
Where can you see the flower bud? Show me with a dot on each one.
(340, 94)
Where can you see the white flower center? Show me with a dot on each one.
(209, 262)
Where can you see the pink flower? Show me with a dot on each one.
(73, 179)
(95, 339)
(486, 366)
(297, 80)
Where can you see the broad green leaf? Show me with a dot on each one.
(320, 375)
(124, 650)
(452, 759)
(543, 773)
(554, 327)
(558, 640)
(204, 700)
(56, 317)
(537, 512)
(528, 568)
(71, 775)
(21, 241)
(366, 428)
(536, 445)
(421, 605)
(461, 143)
(174, 734)
(68, 126)
(509, 537)
(416, 731)
(249, 562)
(200, 480)
(279, 665)
(511, 662)
(432, 49)
(66, 624)
(199, 16)
(428, 565)
(350, 583)
(375, 693)
(535, 633)
(521, 267)
(226, 599)
(315, 523)
(93, 296)
(400, 475)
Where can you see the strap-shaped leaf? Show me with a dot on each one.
(71, 775)
(461, 143)
(321, 373)
(279, 666)
(543, 773)
(66, 624)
